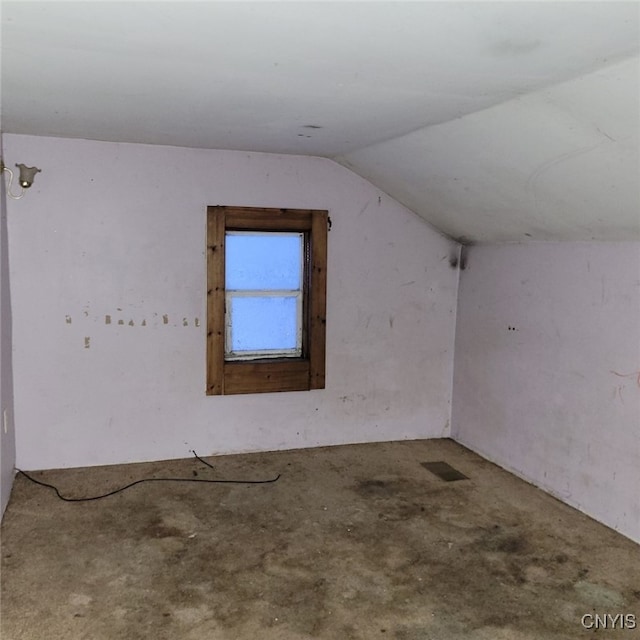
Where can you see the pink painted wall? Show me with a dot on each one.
(556, 398)
(117, 231)
(7, 434)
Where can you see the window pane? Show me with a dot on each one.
(263, 260)
(263, 323)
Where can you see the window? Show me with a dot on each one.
(266, 299)
(264, 273)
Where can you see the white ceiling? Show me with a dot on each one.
(495, 121)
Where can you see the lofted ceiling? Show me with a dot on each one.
(495, 121)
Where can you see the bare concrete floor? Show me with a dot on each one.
(354, 542)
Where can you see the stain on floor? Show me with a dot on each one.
(353, 542)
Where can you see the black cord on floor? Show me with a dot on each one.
(133, 484)
(210, 465)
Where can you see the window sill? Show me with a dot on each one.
(266, 375)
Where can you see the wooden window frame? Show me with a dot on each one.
(266, 375)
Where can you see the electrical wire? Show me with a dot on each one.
(210, 465)
(8, 190)
(133, 484)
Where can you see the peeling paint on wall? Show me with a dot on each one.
(67, 319)
(87, 342)
(108, 319)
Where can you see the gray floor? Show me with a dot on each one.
(354, 542)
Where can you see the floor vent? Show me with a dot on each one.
(444, 471)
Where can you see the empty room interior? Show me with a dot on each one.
(320, 320)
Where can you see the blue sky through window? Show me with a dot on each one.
(263, 261)
(263, 324)
(263, 275)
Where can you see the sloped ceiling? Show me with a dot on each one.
(494, 121)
